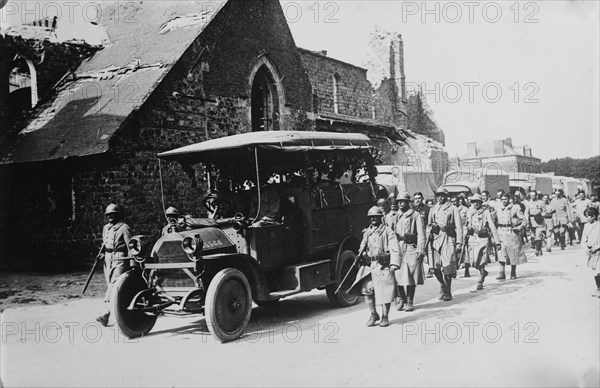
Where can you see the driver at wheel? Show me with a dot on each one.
(173, 225)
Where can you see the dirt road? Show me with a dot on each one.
(542, 329)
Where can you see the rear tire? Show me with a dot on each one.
(131, 322)
(344, 264)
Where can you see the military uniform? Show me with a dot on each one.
(115, 240)
(445, 224)
(590, 242)
(445, 228)
(563, 218)
(480, 228)
(411, 240)
(548, 213)
(510, 224)
(374, 279)
(535, 221)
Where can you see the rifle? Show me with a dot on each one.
(99, 257)
(356, 260)
(464, 244)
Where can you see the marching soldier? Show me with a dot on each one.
(423, 209)
(510, 226)
(390, 218)
(173, 225)
(411, 240)
(375, 279)
(548, 214)
(480, 227)
(459, 202)
(444, 228)
(590, 242)
(580, 206)
(115, 238)
(563, 217)
(535, 221)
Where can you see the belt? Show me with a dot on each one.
(111, 250)
(385, 262)
(504, 225)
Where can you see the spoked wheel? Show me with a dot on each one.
(131, 322)
(228, 304)
(342, 298)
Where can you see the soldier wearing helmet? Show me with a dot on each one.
(115, 239)
(410, 233)
(535, 220)
(173, 225)
(380, 258)
(479, 228)
(444, 228)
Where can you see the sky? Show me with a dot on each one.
(528, 70)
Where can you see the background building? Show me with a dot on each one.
(501, 154)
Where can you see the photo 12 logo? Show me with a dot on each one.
(69, 11)
(475, 91)
(469, 11)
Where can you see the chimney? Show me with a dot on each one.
(498, 147)
(471, 150)
(397, 67)
(508, 142)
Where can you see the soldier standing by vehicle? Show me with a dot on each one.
(510, 226)
(480, 227)
(535, 221)
(444, 228)
(548, 214)
(375, 279)
(420, 207)
(115, 239)
(173, 225)
(590, 242)
(564, 216)
(411, 239)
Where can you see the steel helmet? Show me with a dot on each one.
(171, 211)
(442, 191)
(112, 208)
(403, 196)
(476, 197)
(375, 211)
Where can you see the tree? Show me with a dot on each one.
(577, 168)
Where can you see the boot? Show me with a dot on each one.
(429, 273)
(513, 272)
(562, 242)
(370, 299)
(502, 275)
(384, 316)
(410, 290)
(467, 274)
(482, 274)
(448, 293)
(103, 319)
(401, 299)
(597, 279)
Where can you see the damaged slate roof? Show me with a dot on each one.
(93, 103)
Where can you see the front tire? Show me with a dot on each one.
(228, 304)
(131, 322)
(344, 264)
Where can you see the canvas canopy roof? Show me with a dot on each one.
(284, 141)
